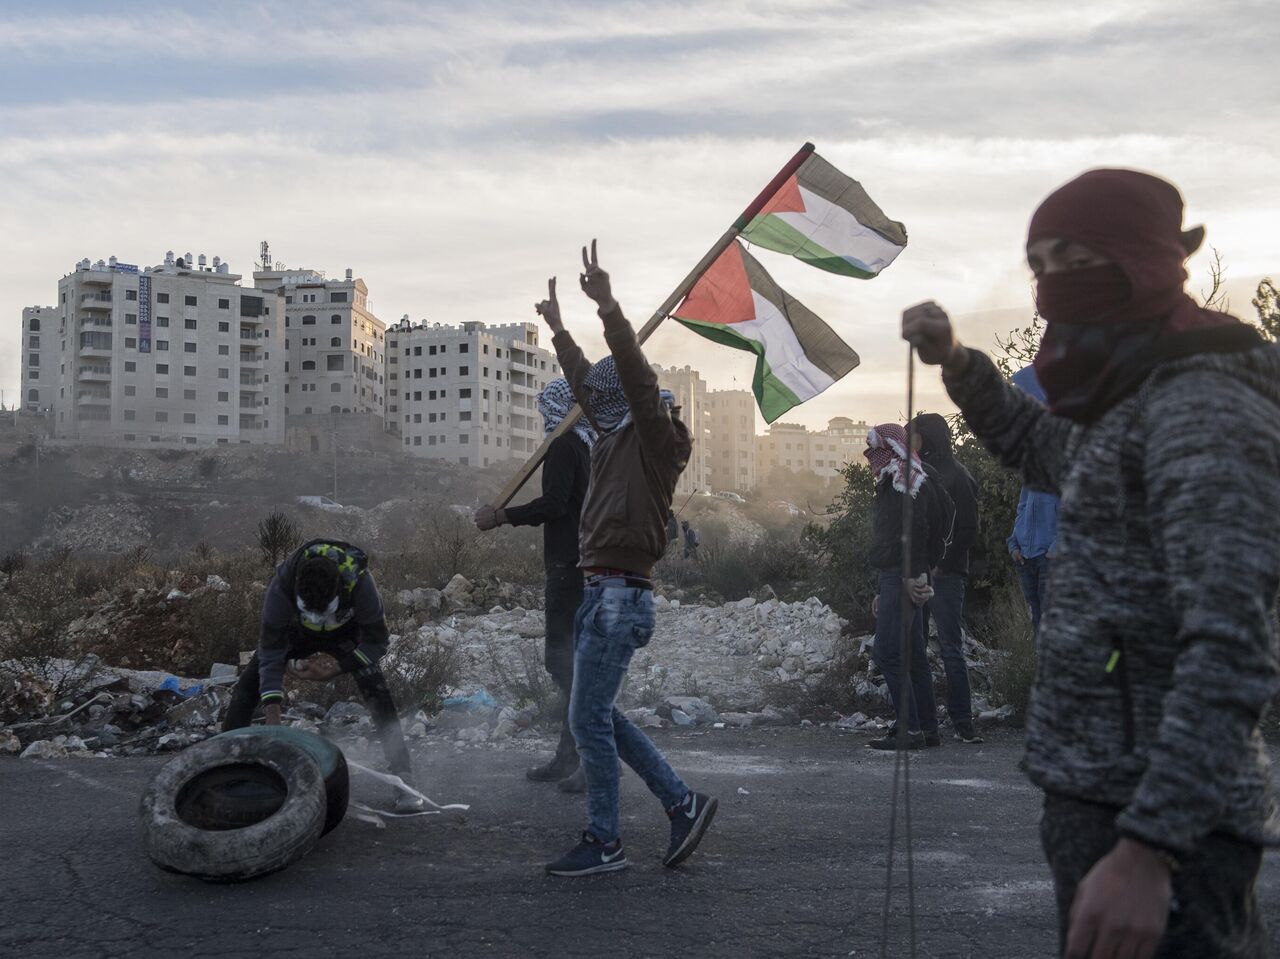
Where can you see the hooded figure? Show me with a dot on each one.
(935, 449)
(1157, 653)
(1109, 324)
(554, 403)
(607, 403)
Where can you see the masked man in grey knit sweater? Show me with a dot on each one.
(1158, 651)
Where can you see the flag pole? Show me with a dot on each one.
(670, 303)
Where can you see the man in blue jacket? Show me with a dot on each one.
(1035, 529)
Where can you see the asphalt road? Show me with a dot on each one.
(794, 867)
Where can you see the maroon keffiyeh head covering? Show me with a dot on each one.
(887, 453)
(1104, 322)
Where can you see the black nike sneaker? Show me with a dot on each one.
(589, 857)
(689, 822)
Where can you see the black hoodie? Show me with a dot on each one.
(935, 450)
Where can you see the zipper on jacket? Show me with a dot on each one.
(1118, 666)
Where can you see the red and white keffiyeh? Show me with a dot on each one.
(887, 453)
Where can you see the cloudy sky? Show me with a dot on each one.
(455, 155)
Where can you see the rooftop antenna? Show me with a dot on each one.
(265, 258)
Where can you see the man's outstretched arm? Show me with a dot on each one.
(573, 362)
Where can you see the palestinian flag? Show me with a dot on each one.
(738, 304)
(821, 216)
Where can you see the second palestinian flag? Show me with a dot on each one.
(738, 304)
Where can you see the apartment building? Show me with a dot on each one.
(336, 347)
(39, 358)
(691, 396)
(731, 440)
(823, 453)
(177, 353)
(467, 393)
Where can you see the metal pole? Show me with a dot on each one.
(671, 302)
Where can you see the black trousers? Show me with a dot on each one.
(563, 596)
(369, 679)
(1216, 913)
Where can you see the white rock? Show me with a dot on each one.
(44, 749)
(217, 583)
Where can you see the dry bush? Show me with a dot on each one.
(1007, 629)
(278, 536)
(35, 612)
(444, 543)
(418, 673)
(529, 684)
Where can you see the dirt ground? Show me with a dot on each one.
(794, 865)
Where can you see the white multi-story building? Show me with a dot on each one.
(732, 440)
(174, 353)
(336, 348)
(691, 396)
(39, 358)
(467, 393)
(824, 453)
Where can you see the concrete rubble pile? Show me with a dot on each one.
(745, 663)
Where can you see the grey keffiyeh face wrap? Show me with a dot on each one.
(608, 403)
(554, 403)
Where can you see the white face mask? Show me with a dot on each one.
(318, 619)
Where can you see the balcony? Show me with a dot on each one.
(94, 399)
(97, 277)
(250, 359)
(92, 352)
(96, 301)
(94, 374)
(250, 405)
(96, 321)
(251, 384)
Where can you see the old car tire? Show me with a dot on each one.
(332, 763)
(187, 829)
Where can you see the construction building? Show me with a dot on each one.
(467, 393)
(336, 348)
(39, 359)
(176, 353)
(823, 453)
(731, 440)
(691, 396)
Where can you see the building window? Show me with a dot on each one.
(188, 371)
(188, 394)
(130, 390)
(308, 321)
(224, 327)
(162, 416)
(131, 415)
(335, 319)
(224, 304)
(162, 321)
(224, 420)
(189, 300)
(130, 366)
(464, 438)
(308, 364)
(335, 341)
(465, 416)
(162, 297)
(162, 369)
(35, 325)
(130, 343)
(189, 324)
(337, 296)
(131, 319)
(224, 349)
(188, 347)
(162, 392)
(224, 373)
(162, 346)
(224, 397)
(462, 348)
(334, 363)
(130, 294)
(464, 370)
(335, 387)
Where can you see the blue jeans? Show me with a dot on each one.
(887, 651)
(1033, 575)
(612, 623)
(947, 607)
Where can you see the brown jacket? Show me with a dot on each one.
(633, 469)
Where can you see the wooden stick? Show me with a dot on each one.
(679, 293)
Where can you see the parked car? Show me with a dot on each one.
(791, 508)
(731, 496)
(320, 502)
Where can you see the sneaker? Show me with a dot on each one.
(965, 733)
(689, 823)
(932, 740)
(407, 803)
(575, 782)
(589, 857)
(554, 770)
(889, 741)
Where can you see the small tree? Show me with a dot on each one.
(1267, 303)
(1019, 347)
(277, 537)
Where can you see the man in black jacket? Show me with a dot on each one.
(323, 600)
(565, 472)
(933, 441)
